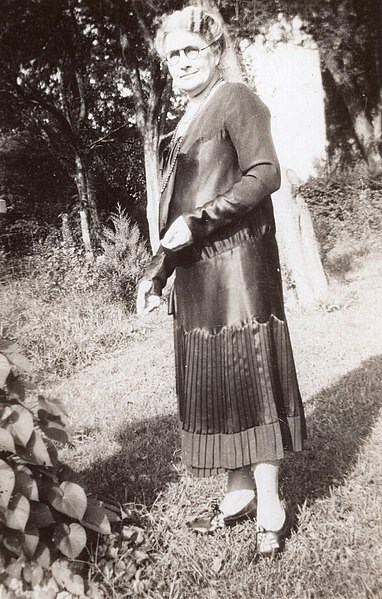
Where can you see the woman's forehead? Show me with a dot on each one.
(178, 39)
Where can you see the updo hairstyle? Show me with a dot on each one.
(195, 20)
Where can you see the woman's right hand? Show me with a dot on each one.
(146, 301)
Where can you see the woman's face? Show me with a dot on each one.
(190, 75)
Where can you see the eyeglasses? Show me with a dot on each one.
(191, 52)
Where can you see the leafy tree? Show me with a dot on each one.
(60, 78)
(347, 33)
(132, 25)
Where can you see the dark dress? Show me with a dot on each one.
(239, 402)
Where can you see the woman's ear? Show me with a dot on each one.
(218, 58)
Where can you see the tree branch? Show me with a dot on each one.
(135, 79)
(105, 139)
(143, 27)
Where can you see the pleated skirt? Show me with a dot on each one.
(238, 396)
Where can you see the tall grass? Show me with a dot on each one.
(67, 312)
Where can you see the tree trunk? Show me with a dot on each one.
(298, 245)
(364, 131)
(86, 194)
(362, 125)
(86, 235)
(150, 146)
(66, 232)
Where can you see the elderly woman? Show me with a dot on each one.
(239, 404)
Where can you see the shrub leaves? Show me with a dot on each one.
(70, 499)
(31, 540)
(13, 541)
(32, 498)
(42, 556)
(5, 369)
(36, 451)
(26, 484)
(70, 539)
(67, 579)
(6, 441)
(40, 515)
(20, 425)
(33, 574)
(95, 517)
(7, 483)
(17, 513)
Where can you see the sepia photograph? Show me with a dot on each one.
(190, 299)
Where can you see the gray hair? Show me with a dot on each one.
(195, 20)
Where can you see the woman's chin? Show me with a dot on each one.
(190, 85)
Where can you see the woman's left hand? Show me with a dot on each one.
(177, 236)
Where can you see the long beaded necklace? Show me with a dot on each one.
(177, 140)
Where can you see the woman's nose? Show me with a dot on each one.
(184, 62)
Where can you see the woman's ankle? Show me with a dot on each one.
(271, 514)
(235, 501)
(240, 480)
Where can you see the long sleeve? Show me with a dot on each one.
(160, 269)
(247, 122)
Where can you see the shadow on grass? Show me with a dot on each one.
(339, 419)
(142, 468)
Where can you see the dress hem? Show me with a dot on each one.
(207, 455)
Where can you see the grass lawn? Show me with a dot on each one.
(123, 409)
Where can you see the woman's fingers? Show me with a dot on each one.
(152, 302)
(178, 235)
(143, 289)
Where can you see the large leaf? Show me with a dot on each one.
(6, 441)
(13, 541)
(66, 473)
(17, 514)
(33, 574)
(36, 451)
(16, 388)
(54, 407)
(5, 412)
(70, 539)
(14, 568)
(52, 451)
(40, 515)
(54, 419)
(67, 579)
(20, 425)
(31, 540)
(8, 346)
(7, 483)
(95, 517)
(54, 429)
(45, 483)
(20, 361)
(26, 484)
(5, 369)
(113, 512)
(70, 499)
(42, 556)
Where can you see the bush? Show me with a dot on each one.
(52, 535)
(57, 267)
(70, 311)
(45, 515)
(347, 203)
(123, 257)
